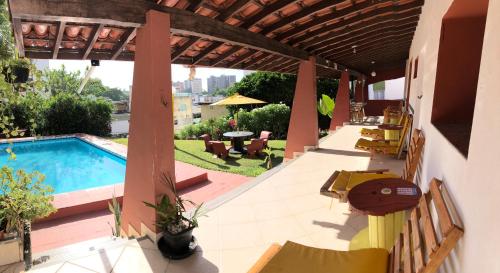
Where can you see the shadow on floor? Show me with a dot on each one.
(345, 230)
(340, 152)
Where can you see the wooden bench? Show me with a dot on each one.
(410, 168)
(388, 147)
(419, 249)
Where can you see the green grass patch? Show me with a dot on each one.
(193, 152)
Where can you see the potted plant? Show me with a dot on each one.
(17, 70)
(175, 222)
(24, 199)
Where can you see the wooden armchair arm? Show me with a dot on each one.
(380, 171)
(265, 258)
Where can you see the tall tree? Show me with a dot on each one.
(6, 41)
(61, 80)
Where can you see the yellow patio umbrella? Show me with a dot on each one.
(238, 99)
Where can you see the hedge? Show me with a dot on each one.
(272, 117)
(64, 113)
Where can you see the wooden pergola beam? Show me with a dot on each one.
(225, 55)
(60, 34)
(18, 36)
(370, 39)
(204, 52)
(194, 5)
(268, 65)
(354, 9)
(305, 12)
(231, 10)
(285, 64)
(125, 39)
(358, 35)
(266, 11)
(132, 14)
(241, 58)
(373, 45)
(251, 64)
(366, 19)
(90, 45)
(183, 48)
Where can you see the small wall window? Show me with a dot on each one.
(457, 72)
(415, 71)
(387, 90)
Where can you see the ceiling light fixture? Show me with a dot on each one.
(374, 74)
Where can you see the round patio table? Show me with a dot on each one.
(385, 201)
(238, 137)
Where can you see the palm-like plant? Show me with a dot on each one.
(173, 216)
(326, 106)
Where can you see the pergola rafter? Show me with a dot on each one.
(228, 35)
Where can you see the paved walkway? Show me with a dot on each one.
(285, 206)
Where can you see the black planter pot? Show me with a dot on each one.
(22, 74)
(177, 246)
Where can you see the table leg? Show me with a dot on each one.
(382, 232)
(238, 144)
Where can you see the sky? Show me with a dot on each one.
(119, 73)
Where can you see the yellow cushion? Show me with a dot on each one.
(296, 258)
(345, 181)
(372, 132)
(381, 146)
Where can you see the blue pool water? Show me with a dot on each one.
(69, 164)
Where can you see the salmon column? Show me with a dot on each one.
(303, 127)
(359, 95)
(151, 138)
(341, 110)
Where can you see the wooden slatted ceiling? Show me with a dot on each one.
(380, 30)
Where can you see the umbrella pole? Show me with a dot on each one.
(236, 116)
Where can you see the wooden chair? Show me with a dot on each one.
(379, 134)
(388, 147)
(219, 149)
(265, 135)
(208, 146)
(418, 248)
(339, 184)
(255, 147)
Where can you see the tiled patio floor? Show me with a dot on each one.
(285, 206)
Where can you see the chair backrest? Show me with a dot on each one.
(402, 137)
(256, 145)
(418, 250)
(206, 138)
(414, 155)
(218, 147)
(265, 135)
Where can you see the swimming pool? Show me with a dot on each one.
(69, 164)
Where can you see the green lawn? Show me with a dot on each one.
(193, 152)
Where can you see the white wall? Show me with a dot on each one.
(473, 183)
(394, 90)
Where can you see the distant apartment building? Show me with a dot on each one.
(193, 86)
(209, 111)
(183, 110)
(178, 87)
(221, 82)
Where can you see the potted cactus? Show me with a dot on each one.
(175, 223)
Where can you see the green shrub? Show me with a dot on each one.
(29, 112)
(272, 117)
(68, 113)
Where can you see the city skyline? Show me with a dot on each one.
(120, 73)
